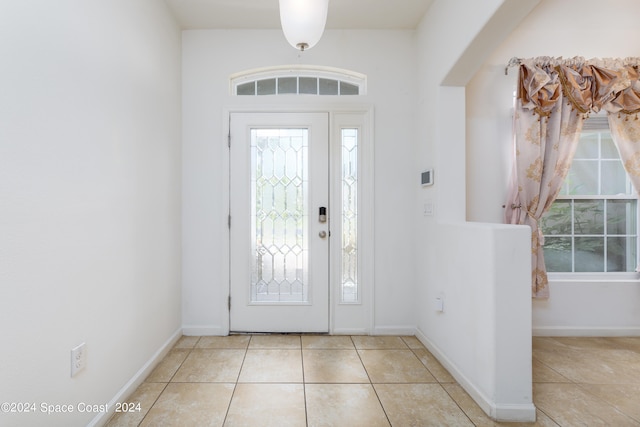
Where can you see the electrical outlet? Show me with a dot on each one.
(78, 359)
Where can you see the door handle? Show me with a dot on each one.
(322, 214)
(322, 234)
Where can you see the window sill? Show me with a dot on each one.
(594, 277)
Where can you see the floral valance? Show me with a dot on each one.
(591, 85)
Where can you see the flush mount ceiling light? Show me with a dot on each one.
(303, 21)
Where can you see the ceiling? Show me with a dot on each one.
(263, 14)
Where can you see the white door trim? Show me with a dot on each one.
(343, 318)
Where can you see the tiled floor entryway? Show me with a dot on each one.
(311, 380)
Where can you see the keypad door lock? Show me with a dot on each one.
(322, 214)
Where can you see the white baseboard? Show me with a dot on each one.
(137, 379)
(573, 331)
(496, 411)
(394, 330)
(352, 331)
(200, 330)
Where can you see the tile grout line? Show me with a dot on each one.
(304, 386)
(413, 350)
(168, 382)
(235, 385)
(371, 382)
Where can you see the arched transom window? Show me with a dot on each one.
(298, 80)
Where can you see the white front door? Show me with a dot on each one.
(279, 239)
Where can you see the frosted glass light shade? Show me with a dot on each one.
(303, 21)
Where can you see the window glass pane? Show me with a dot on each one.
(558, 219)
(348, 89)
(308, 85)
(609, 150)
(567, 184)
(589, 254)
(587, 147)
(621, 217)
(349, 215)
(621, 253)
(287, 85)
(557, 253)
(584, 177)
(586, 234)
(588, 217)
(246, 89)
(328, 87)
(614, 177)
(267, 87)
(279, 215)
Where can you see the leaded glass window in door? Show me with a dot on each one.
(349, 284)
(279, 187)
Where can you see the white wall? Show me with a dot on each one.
(89, 199)
(483, 336)
(586, 307)
(209, 58)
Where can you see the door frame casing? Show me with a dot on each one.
(352, 319)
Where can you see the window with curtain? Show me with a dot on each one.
(591, 227)
(555, 97)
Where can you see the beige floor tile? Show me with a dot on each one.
(378, 343)
(394, 366)
(628, 343)
(320, 342)
(272, 366)
(481, 419)
(353, 405)
(587, 343)
(546, 343)
(570, 405)
(468, 405)
(230, 341)
(210, 365)
(413, 342)
(185, 405)
(274, 341)
(333, 366)
(624, 397)
(186, 342)
(577, 381)
(168, 366)
(267, 405)
(434, 366)
(593, 366)
(420, 405)
(543, 374)
(145, 396)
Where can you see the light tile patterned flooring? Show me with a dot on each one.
(311, 380)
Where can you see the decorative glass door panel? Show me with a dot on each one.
(279, 206)
(349, 214)
(279, 244)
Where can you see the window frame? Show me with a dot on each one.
(599, 124)
(296, 71)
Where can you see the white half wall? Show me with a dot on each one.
(480, 271)
(89, 200)
(575, 307)
(483, 335)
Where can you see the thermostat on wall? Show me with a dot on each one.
(426, 177)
